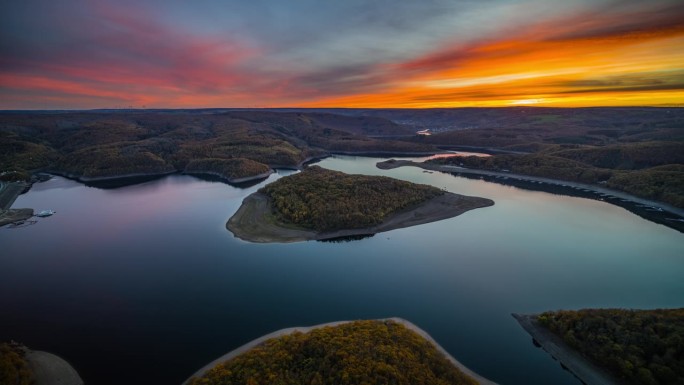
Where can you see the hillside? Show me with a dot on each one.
(102, 144)
(636, 150)
(360, 352)
(233, 169)
(502, 127)
(652, 170)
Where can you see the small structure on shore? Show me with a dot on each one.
(45, 213)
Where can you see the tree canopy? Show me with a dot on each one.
(325, 200)
(643, 347)
(360, 352)
(13, 367)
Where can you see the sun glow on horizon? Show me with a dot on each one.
(526, 102)
(586, 55)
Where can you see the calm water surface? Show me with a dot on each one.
(144, 285)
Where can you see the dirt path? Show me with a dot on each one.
(254, 222)
(582, 368)
(248, 346)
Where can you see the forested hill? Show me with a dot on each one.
(643, 347)
(361, 352)
(326, 200)
(636, 150)
(109, 144)
(651, 170)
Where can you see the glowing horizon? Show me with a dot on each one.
(101, 54)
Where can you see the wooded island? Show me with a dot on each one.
(322, 204)
(359, 352)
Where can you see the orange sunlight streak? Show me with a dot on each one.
(622, 70)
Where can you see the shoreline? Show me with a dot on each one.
(485, 150)
(123, 177)
(370, 154)
(7, 217)
(383, 154)
(299, 166)
(615, 197)
(9, 191)
(305, 329)
(8, 195)
(137, 178)
(573, 361)
(85, 179)
(50, 369)
(253, 221)
(230, 180)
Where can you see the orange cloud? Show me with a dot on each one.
(633, 60)
(628, 53)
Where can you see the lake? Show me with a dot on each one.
(144, 285)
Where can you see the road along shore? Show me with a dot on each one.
(658, 212)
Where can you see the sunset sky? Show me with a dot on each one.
(72, 54)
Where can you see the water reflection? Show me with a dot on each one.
(348, 238)
(147, 276)
(123, 182)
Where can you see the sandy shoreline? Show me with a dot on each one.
(254, 221)
(387, 165)
(579, 366)
(248, 346)
(50, 369)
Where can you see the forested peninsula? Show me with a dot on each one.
(642, 347)
(389, 351)
(323, 204)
